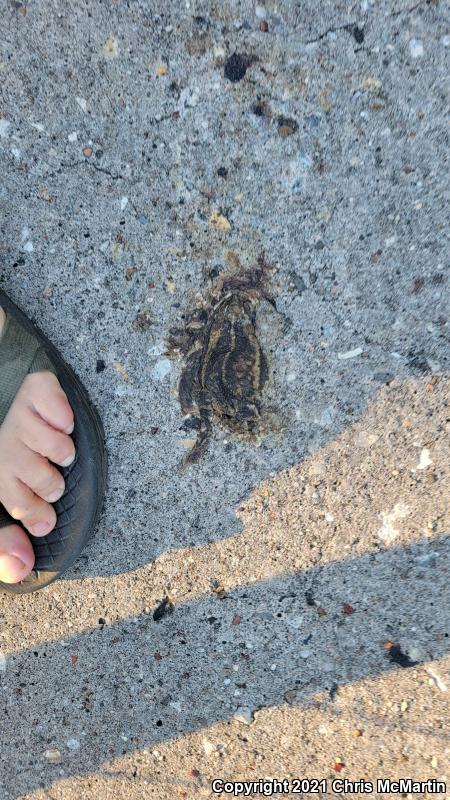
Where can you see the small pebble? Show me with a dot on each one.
(73, 744)
(388, 532)
(72, 137)
(416, 653)
(53, 756)
(116, 250)
(82, 103)
(326, 417)
(110, 47)
(425, 460)
(219, 222)
(236, 66)
(286, 127)
(372, 84)
(208, 747)
(121, 371)
(350, 353)
(87, 152)
(436, 679)
(161, 369)
(416, 48)
(290, 696)
(129, 272)
(243, 714)
(4, 125)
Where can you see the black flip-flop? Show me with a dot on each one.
(79, 508)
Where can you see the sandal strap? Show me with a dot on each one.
(20, 354)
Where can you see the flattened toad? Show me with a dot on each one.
(225, 368)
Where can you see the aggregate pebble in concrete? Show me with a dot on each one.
(144, 151)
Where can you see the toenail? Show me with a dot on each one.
(69, 430)
(54, 496)
(12, 567)
(41, 528)
(68, 461)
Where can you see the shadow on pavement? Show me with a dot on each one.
(130, 685)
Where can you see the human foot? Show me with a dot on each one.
(34, 433)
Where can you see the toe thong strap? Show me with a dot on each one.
(20, 353)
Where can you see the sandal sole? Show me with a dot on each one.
(85, 478)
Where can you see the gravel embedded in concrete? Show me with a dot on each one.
(145, 152)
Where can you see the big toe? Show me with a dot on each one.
(16, 554)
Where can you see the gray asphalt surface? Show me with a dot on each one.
(147, 148)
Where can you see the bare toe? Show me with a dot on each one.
(16, 554)
(43, 391)
(40, 437)
(38, 474)
(38, 516)
(32, 441)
